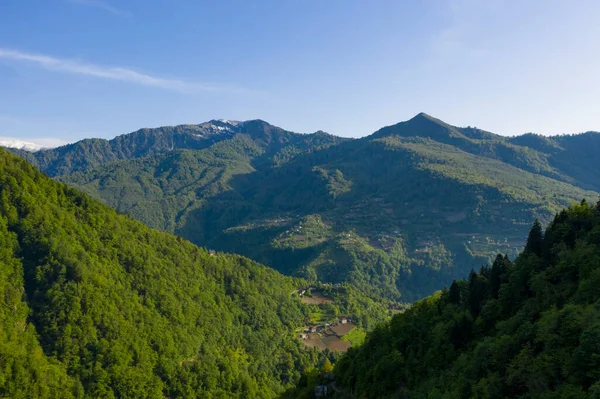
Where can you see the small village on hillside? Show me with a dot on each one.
(326, 332)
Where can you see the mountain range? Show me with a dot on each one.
(95, 304)
(399, 213)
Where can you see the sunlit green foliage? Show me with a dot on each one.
(94, 304)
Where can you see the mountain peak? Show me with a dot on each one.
(421, 125)
(422, 116)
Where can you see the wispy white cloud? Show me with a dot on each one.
(102, 5)
(112, 73)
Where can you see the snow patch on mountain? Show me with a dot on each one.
(21, 145)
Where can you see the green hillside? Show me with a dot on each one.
(568, 158)
(93, 304)
(523, 329)
(399, 213)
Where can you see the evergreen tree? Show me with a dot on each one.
(535, 239)
(478, 292)
(498, 273)
(454, 293)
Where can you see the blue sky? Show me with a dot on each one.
(71, 69)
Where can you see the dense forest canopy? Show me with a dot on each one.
(93, 304)
(528, 328)
(399, 213)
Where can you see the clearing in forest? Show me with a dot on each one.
(316, 298)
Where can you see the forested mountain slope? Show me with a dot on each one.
(93, 304)
(575, 156)
(523, 329)
(90, 153)
(399, 213)
(568, 158)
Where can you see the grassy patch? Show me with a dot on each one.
(321, 317)
(356, 336)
